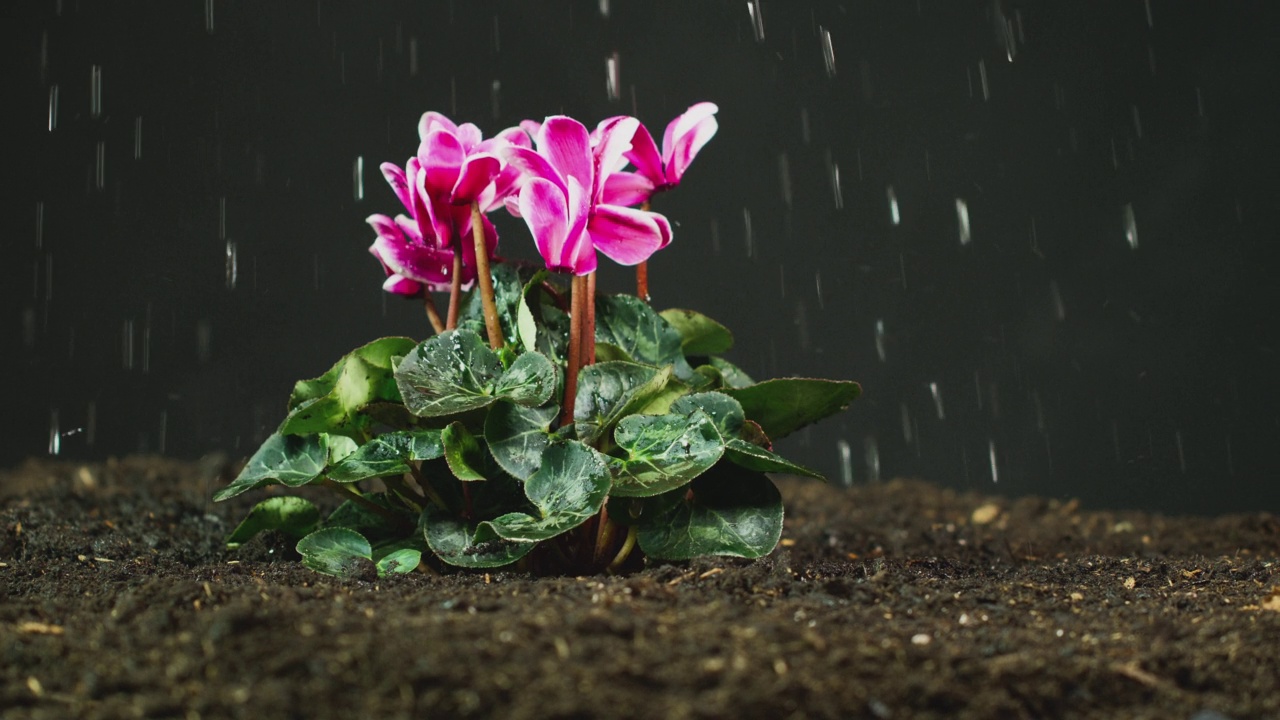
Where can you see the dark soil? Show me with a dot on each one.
(901, 600)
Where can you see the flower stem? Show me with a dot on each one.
(433, 313)
(642, 270)
(395, 517)
(576, 321)
(427, 489)
(589, 328)
(455, 289)
(627, 545)
(604, 533)
(486, 281)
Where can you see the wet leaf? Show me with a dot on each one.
(728, 511)
(293, 516)
(609, 390)
(785, 405)
(465, 454)
(397, 557)
(464, 544)
(700, 335)
(379, 355)
(388, 454)
(330, 402)
(336, 551)
(724, 411)
(291, 460)
(569, 488)
(373, 526)
(753, 457)
(630, 324)
(663, 452)
(730, 374)
(530, 380)
(518, 435)
(455, 372)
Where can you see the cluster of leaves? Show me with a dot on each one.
(671, 438)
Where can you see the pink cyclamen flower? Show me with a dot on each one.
(654, 172)
(410, 263)
(562, 198)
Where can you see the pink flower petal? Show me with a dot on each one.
(384, 226)
(544, 209)
(626, 188)
(614, 140)
(469, 135)
(398, 182)
(434, 121)
(567, 146)
(415, 262)
(627, 236)
(402, 286)
(664, 227)
(644, 155)
(687, 144)
(478, 171)
(684, 123)
(531, 128)
(531, 164)
(441, 156)
(515, 136)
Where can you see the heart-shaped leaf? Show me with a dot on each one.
(724, 411)
(466, 455)
(397, 557)
(291, 460)
(462, 543)
(731, 375)
(388, 454)
(518, 435)
(728, 511)
(336, 551)
(374, 526)
(567, 490)
(608, 391)
(629, 323)
(754, 457)
(293, 516)
(700, 335)
(663, 452)
(456, 371)
(785, 405)
(330, 402)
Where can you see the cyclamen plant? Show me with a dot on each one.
(564, 434)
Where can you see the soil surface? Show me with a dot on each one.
(897, 600)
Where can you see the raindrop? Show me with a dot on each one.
(817, 282)
(1137, 121)
(232, 265)
(982, 75)
(828, 53)
(1151, 58)
(204, 340)
(137, 138)
(613, 82)
(1035, 241)
(1182, 459)
(95, 91)
(53, 107)
(1130, 226)
(784, 177)
(991, 453)
(746, 222)
(222, 218)
(497, 36)
(100, 166)
(833, 173)
(39, 224)
(495, 94)
(55, 434)
(804, 125)
(962, 219)
(163, 432)
(895, 216)
(126, 344)
(880, 343)
(937, 400)
(413, 58)
(757, 19)
(846, 463)
(604, 8)
(357, 177)
(1150, 21)
(906, 422)
(208, 16)
(871, 456)
(902, 269)
(1059, 309)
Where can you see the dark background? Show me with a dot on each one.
(1047, 355)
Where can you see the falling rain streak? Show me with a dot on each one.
(757, 19)
(828, 53)
(357, 177)
(232, 265)
(137, 138)
(95, 91)
(880, 343)
(613, 83)
(1130, 227)
(208, 16)
(895, 216)
(53, 107)
(871, 457)
(846, 463)
(936, 392)
(833, 173)
(962, 220)
(746, 226)
(991, 453)
(100, 166)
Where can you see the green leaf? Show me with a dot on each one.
(728, 511)
(569, 487)
(336, 551)
(659, 403)
(723, 410)
(293, 516)
(507, 293)
(526, 327)
(663, 452)
(339, 447)
(518, 435)
(397, 557)
(610, 390)
(465, 454)
(455, 372)
(629, 323)
(754, 457)
(785, 405)
(464, 544)
(608, 352)
(731, 374)
(530, 380)
(374, 526)
(330, 402)
(388, 454)
(291, 460)
(700, 335)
